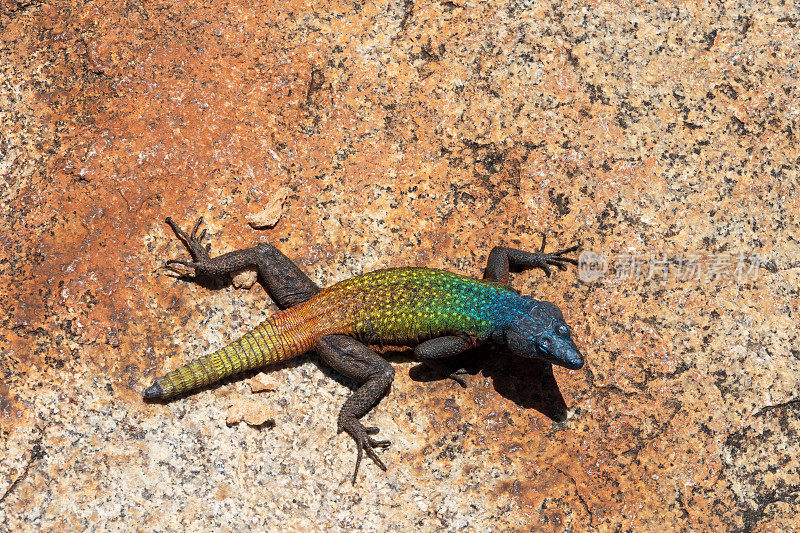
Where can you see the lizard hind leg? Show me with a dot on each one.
(283, 280)
(356, 361)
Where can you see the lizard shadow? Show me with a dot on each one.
(529, 383)
(211, 283)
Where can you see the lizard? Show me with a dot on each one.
(440, 313)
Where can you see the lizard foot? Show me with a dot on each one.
(456, 376)
(557, 259)
(441, 369)
(200, 254)
(364, 442)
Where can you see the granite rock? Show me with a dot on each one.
(662, 135)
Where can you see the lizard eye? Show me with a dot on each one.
(563, 331)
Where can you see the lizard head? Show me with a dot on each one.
(542, 332)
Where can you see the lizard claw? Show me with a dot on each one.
(373, 442)
(364, 443)
(190, 264)
(181, 273)
(555, 259)
(200, 253)
(196, 227)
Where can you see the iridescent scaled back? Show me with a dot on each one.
(397, 306)
(406, 305)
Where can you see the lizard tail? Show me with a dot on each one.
(275, 339)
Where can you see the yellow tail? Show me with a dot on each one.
(276, 339)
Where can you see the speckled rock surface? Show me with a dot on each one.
(410, 132)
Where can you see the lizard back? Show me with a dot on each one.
(406, 305)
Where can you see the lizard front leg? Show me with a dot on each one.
(282, 279)
(501, 258)
(354, 360)
(442, 347)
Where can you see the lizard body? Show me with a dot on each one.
(396, 306)
(439, 312)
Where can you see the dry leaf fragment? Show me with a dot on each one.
(270, 215)
(250, 412)
(262, 382)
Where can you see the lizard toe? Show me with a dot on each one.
(379, 443)
(364, 443)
